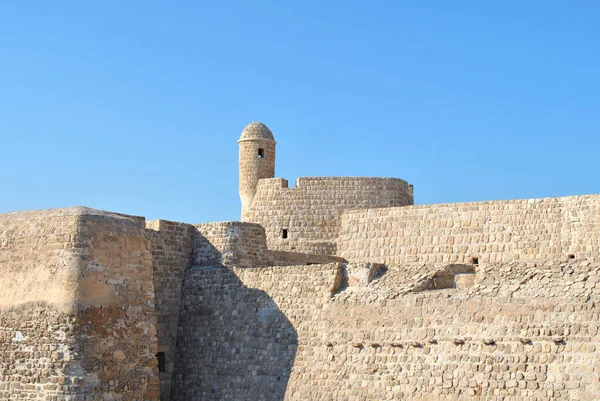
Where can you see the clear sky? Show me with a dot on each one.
(136, 106)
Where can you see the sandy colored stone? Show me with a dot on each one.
(368, 297)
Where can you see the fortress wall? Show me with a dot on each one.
(245, 245)
(538, 340)
(234, 341)
(116, 320)
(311, 212)
(171, 245)
(77, 314)
(277, 333)
(39, 270)
(230, 243)
(497, 231)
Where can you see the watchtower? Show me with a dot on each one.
(257, 160)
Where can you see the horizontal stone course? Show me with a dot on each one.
(496, 231)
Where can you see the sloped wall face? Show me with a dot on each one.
(498, 231)
(171, 245)
(512, 333)
(116, 319)
(310, 213)
(39, 270)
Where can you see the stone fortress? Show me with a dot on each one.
(336, 289)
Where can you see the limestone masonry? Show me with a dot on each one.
(335, 289)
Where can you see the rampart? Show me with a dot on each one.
(171, 245)
(40, 270)
(236, 341)
(477, 232)
(507, 332)
(222, 317)
(64, 327)
(307, 218)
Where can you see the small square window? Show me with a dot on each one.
(261, 153)
(474, 260)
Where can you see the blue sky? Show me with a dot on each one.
(136, 107)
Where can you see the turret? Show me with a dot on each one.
(257, 160)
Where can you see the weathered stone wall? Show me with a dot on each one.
(517, 333)
(501, 332)
(92, 297)
(496, 231)
(235, 342)
(116, 319)
(171, 245)
(39, 269)
(311, 211)
(230, 243)
(77, 319)
(234, 243)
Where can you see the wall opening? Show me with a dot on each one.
(571, 256)
(284, 233)
(474, 260)
(451, 277)
(261, 153)
(162, 363)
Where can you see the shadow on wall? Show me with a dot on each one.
(233, 342)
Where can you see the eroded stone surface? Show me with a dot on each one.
(337, 289)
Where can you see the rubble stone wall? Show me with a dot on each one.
(116, 318)
(311, 211)
(230, 243)
(512, 333)
(93, 299)
(171, 245)
(39, 269)
(496, 231)
(77, 317)
(235, 341)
